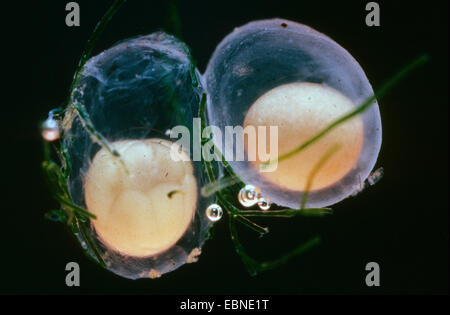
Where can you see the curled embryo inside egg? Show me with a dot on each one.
(144, 205)
(300, 110)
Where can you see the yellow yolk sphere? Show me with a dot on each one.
(144, 205)
(301, 110)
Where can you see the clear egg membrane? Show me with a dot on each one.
(263, 55)
(136, 90)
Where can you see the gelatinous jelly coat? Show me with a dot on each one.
(151, 216)
(264, 55)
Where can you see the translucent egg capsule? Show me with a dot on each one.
(278, 73)
(125, 168)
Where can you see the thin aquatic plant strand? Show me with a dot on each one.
(253, 266)
(87, 51)
(384, 89)
(325, 157)
(50, 169)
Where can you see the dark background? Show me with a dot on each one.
(402, 223)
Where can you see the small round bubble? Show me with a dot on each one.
(50, 129)
(214, 212)
(248, 195)
(264, 203)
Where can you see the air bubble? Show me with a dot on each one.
(264, 203)
(248, 195)
(214, 212)
(50, 129)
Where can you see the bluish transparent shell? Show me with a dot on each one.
(262, 55)
(138, 89)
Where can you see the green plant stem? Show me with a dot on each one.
(218, 185)
(253, 266)
(224, 202)
(266, 265)
(90, 243)
(98, 30)
(97, 137)
(203, 118)
(386, 87)
(287, 213)
(173, 23)
(75, 208)
(325, 157)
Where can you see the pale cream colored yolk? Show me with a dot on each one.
(301, 110)
(145, 209)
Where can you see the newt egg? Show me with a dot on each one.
(287, 75)
(150, 215)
